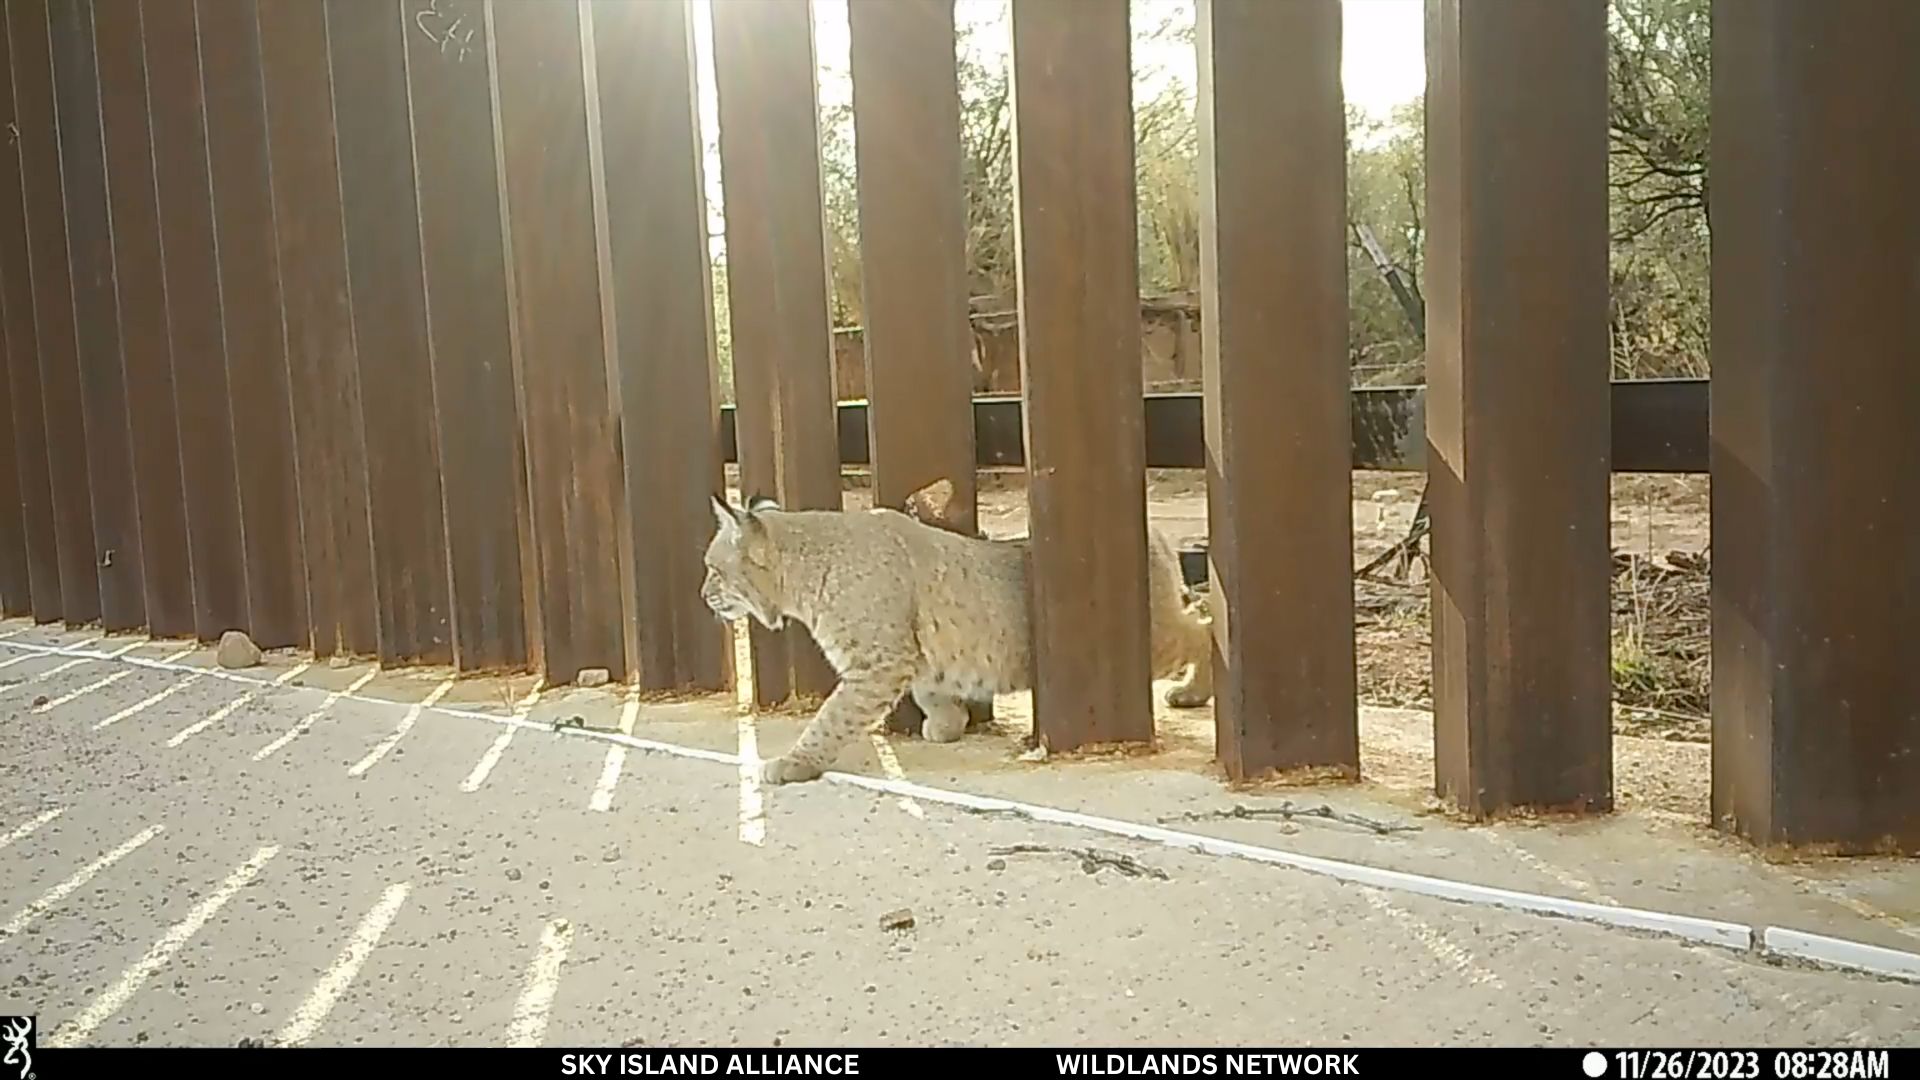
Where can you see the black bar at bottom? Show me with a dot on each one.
(1599, 1063)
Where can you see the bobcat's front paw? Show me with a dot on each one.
(785, 770)
(1188, 697)
(944, 725)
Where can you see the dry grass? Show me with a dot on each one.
(1660, 649)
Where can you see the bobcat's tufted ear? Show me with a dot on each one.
(725, 517)
(931, 504)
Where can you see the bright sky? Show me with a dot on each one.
(1383, 63)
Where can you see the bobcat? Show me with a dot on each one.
(901, 606)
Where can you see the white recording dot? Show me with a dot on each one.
(1595, 1063)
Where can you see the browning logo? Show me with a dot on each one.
(17, 1035)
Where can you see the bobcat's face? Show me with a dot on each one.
(740, 580)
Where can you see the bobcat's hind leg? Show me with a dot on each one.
(1195, 638)
(946, 716)
(1196, 689)
(861, 701)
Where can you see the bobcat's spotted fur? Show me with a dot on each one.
(900, 606)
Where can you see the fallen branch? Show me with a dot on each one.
(1409, 546)
(1289, 811)
(1667, 714)
(1091, 859)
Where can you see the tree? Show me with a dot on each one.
(1386, 194)
(1659, 83)
(1658, 91)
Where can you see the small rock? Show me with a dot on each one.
(39, 701)
(612, 854)
(996, 865)
(1038, 753)
(513, 875)
(256, 1008)
(337, 662)
(251, 1044)
(871, 988)
(897, 920)
(237, 650)
(593, 676)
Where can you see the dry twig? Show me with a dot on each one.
(1289, 811)
(1091, 859)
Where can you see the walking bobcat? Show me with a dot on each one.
(900, 606)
